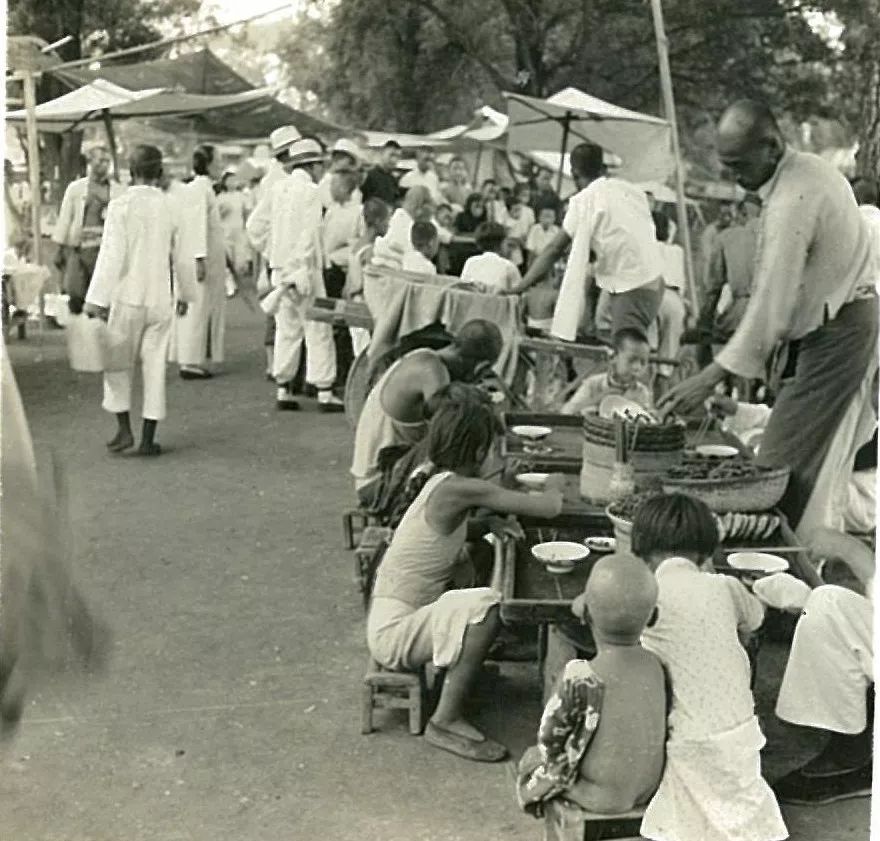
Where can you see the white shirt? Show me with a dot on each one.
(539, 239)
(871, 215)
(491, 270)
(613, 218)
(672, 258)
(341, 225)
(68, 227)
(415, 261)
(429, 179)
(696, 637)
(521, 227)
(137, 248)
(326, 194)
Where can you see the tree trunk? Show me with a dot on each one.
(868, 158)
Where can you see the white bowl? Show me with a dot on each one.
(535, 481)
(717, 451)
(533, 433)
(559, 570)
(560, 552)
(601, 544)
(757, 562)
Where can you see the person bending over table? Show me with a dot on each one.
(414, 619)
(813, 284)
(398, 406)
(612, 218)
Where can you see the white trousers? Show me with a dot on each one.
(291, 328)
(830, 664)
(670, 328)
(205, 317)
(150, 332)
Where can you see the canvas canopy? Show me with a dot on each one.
(558, 124)
(94, 100)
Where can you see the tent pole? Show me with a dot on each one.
(669, 107)
(28, 79)
(111, 141)
(477, 165)
(566, 127)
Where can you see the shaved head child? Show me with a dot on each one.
(602, 735)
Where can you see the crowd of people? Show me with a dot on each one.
(669, 685)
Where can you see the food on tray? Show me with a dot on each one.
(744, 527)
(601, 544)
(696, 466)
(625, 509)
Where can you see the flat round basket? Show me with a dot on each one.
(357, 387)
(665, 438)
(745, 493)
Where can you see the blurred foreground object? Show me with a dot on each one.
(45, 625)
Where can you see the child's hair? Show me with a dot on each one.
(460, 434)
(673, 524)
(544, 207)
(146, 163)
(628, 334)
(479, 340)
(471, 200)
(375, 212)
(489, 236)
(661, 225)
(422, 235)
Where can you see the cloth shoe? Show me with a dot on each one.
(329, 402)
(799, 790)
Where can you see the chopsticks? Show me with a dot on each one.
(703, 429)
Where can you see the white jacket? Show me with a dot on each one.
(138, 249)
(68, 228)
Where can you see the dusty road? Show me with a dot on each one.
(231, 709)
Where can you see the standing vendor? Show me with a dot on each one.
(813, 284)
(81, 223)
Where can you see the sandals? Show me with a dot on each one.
(484, 751)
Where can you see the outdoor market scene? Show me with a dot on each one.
(439, 420)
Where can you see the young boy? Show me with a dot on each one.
(625, 370)
(542, 233)
(712, 789)
(132, 290)
(376, 214)
(423, 237)
(602, 736)
(489, 269)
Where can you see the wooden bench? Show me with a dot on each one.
(384, 689)
(563, 821)
(354, 521)
(374, 540)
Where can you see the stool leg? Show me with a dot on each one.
(367, 710)
(415, 709)
(348, 531)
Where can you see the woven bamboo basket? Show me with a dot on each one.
(745, 493)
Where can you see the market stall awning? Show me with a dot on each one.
(487, 127)
(558, 124)
(92, 101)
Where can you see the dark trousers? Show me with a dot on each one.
(334, 283)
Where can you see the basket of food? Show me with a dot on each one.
(621, 514)
(727, 484)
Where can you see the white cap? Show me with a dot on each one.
(305, 151)
(282, 138)
(347, 147)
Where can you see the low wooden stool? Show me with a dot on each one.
(370, 549)
(384, 689)
(563, 821)
(354, 521)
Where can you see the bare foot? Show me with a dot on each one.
(122, 441)
(149, 450)
(461, 728)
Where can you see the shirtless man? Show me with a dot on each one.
(602, 736)
(397, 408)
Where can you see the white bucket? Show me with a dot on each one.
(85, 343)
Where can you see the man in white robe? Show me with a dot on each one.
(132, 290)
(286, 226)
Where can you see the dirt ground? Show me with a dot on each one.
(231, 708)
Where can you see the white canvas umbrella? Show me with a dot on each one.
(558, 124)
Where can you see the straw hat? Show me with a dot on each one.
(344, 146)
(305, 151)
(282, 138)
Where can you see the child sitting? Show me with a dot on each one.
(520, 219)
(625, 370)
(602, 735)
(712, 789)
(490, 270)
(423, 237)
(542, 233)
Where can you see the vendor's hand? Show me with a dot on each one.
(505, 528)
(201, 271)
(692, 392)
(94, 311)
(557, 499)
(182, 307)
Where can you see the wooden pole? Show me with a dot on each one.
(566, 127)
(669, 107)
(33, 148)
(111, 141)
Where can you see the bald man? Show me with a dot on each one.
(602, 738)
(814, 285)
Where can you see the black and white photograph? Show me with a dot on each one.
(439, 420)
